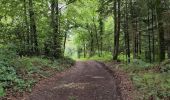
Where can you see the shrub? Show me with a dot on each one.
(153, 85)
(137, 65)
(8, 73)
(20, 73)
(165, 66)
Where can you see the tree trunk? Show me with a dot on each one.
(127, 34)
(57, 51)
(117, 15)
(33, 30)
(101, 26)
(27, 29)
(97, 38)
(84, 48)
(169, 49)
(65, 40)
(161, 32)
(149, 38)
(153, 37)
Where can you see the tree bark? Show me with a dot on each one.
(117, 16)
(96, 35)
(153, 37)
(149, 37)
(159, 10)
(33, 30)
(127, 42)
(169, 49)
(27, 38)
(56, 48)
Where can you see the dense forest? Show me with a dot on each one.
(39, 33)
(133, 28)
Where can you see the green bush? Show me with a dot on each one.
(149, 81)
(137, 65)
(31, 65)
(21, 73)
(153, 85)
(165, 66)
(8, 73)
(62, 64)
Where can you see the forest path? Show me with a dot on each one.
(85, 81)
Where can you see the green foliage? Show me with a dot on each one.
(105, 57)
(62, 64)
(7, 52)
(2, 92)
(21, 73)
(152, 85)
(137, 65)
(8, 73)
(149, 82)
(72, 98)
(165, 66)
(32, 64)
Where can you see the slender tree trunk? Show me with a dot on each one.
(161, 42)
(133, 25)
(53, 22)
(27, 29)
(161, 38)
(91, 44)
(33, 30)
(115, 29)
(91, 41)
(136, 38)
(153, 37)
(149, 37)
(84, 48)
(118, 31)
(127, 34)
(65, 40)
(140, 43)
(101, 26)
(97, 38)
(117, 15)
(159, 11)
(169, 49)
(57, 50)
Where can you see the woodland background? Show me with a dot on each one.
(38, 34)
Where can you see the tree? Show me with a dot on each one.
(33, 30)
(159, 11)
(56, 48)
(117, 17)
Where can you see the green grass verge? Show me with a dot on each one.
(152, 82)
(21, 73)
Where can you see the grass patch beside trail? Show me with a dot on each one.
(19, 74)
(151, 80)
(22, 73)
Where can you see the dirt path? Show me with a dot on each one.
(86, 81)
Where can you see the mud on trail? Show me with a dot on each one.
(85, 81)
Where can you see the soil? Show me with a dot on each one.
(88, 80)
(123, 80)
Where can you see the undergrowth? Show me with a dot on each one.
(19, 74)
(151, 80)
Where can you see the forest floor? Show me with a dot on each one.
(88, 80)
